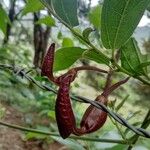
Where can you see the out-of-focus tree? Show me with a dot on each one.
(41, 36)
(11, 15)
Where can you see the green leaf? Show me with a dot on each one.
(130, 58)
(47, 20)
(66, 10)
(59, 35)
(70, 143)
(32, 6)
(65, 57)
(112, 104)
(4, 19)
(67, 42)
(87, 32)
(145, 64)
(119, 20)
(51, 114)
(117, 147)
(95, 56)
(95, 16)
(134, 124)
(121, 103)
(145, 57)
(133, 114)
(148, 8)
(32, 135)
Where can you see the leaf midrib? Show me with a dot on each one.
(120, 22)
(63, 9)
(128, 62)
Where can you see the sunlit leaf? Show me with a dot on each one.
(32, 135)
(59, 35)
(48, 20)
(51, 114)
(4, 20)
(95, 16)
(67, 42)
(32, 6)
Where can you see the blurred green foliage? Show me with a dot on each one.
(36, 104)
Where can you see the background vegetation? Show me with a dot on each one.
(26, 30)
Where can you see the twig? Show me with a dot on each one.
(56, 134)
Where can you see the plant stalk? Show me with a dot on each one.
(56, 134)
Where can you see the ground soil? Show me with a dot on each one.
(11, 139)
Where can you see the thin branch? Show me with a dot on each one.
(57, 134)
